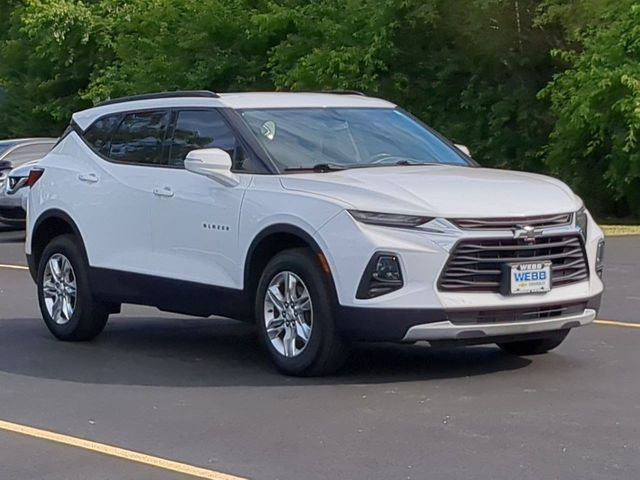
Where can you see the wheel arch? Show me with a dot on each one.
(50, 224)
(273, 240)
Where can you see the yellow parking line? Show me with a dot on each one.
(14, 267)
(112, 451)
(617, 324)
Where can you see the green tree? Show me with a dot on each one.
(472, 69)
(594, 143)
(192, 44)
(51, 50)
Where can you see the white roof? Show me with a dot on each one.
(301, 100)
(239, 100)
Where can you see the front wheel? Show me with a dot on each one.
(67, 304)
(294, 313)
(537, 346)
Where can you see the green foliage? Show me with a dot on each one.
(52, 47)
(595, 140)
(472, 72)
(191, 44)
(544, 85)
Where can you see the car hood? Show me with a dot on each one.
(440, 191)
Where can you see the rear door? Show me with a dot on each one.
(194, 218)
(114, 191)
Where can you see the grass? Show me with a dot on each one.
(618, 230)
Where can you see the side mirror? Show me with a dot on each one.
(464, 149)
(213, 163)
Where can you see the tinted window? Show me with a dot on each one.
(197, 129)
(98, 135)
(139, 138)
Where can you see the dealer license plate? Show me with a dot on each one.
(530, 277)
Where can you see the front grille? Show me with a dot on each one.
(541, 221)
(468, 317)
(476, 265)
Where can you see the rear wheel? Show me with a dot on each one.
(67, 304)
(294, 313)
(537, 346)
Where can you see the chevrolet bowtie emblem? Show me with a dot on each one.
(527, 233)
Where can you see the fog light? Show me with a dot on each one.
(600, 258)
(382, 275)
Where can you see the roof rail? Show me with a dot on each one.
(343, 92)
(154, 96)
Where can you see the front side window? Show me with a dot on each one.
(197, 129)
(298, 138)
(139, 138)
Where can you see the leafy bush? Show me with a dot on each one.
(596, 135)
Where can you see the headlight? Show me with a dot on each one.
(389, 219)
(600, 258)
(581, 222)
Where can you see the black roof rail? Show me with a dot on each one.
(154, 96)
(344, 92)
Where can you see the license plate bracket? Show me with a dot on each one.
(526, 277)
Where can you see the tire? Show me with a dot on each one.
(323, 351)
(87, 316)
(535, 347)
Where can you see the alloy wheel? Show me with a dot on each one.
(288, 314)
(59, 288)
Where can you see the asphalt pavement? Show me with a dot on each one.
(202, 392)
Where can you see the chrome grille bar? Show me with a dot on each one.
(513, 222)
(476, 265)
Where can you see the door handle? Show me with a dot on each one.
(88, 177)
(163, 192)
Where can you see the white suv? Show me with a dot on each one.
(324, 218)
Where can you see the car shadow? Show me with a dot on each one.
(200, 352)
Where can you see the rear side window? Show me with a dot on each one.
(196, 129)
(139, 138)
(98, 135)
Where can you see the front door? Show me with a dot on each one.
(194, 218)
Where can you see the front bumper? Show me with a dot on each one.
(447, 330)
(438, 324)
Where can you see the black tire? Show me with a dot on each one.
(89, 315)
(326, 350)
(537, 346)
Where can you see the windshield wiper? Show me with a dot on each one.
(415, 164)
(334, 167)
(318, 167)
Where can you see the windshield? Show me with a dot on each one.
(298, 138)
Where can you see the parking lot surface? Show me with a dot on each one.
(202, 392)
